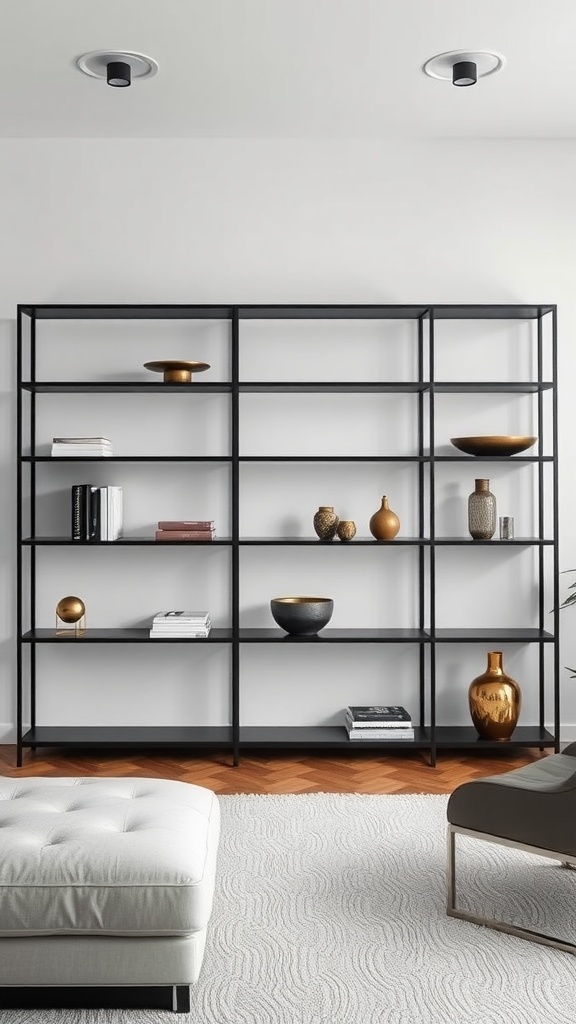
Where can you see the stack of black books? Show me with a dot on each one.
(378, 722)
(96, 512)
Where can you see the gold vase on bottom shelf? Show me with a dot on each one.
(495, 700)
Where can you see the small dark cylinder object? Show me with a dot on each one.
(118, 74)
(464, 72)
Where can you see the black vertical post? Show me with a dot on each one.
(431, 372)
(555, 528)
(421, 524)
(540, 503)
(19, 592)
(33, 520)
(235, 488)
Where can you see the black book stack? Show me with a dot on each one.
(96, 512)
(378, 722)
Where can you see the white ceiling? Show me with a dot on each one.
(288, 68)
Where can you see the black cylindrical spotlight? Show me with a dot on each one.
(118, 74)
(464, 73)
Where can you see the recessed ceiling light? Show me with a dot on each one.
(117, 67)
(464, 67)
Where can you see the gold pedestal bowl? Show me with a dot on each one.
(177, 371)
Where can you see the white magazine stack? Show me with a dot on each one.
(82, 447)
(180, 625)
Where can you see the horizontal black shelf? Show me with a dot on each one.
(304, 737)
(462, 736)
(126, 458)
(494, 458)
(335, 543)
(288, 458)
(135, 635)
(446, 737)
(125, 311)
(128, 736)
(327, 636)
(154, 387)
(283, 387)
(511, 387)
(152, 311)
(494, 542)
(511, 636)
(274, 635)
(122, 542)
(334, 458)
(319, 387)
(317, 736)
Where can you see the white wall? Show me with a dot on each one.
(249, 221)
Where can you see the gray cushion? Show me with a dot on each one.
(534, 805)
(106, 856)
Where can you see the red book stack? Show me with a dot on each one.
(186, 529)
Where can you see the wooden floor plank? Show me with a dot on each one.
(357, 772)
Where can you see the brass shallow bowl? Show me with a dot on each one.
(177, 371)
(496, 444)
(302, 616)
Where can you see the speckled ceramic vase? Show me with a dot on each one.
(346, 529)
(482, 511)
(384, 524)
(326, 522)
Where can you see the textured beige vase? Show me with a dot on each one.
(326, 522)
(482, 511)
(495, 701)
(384, 524)
(346, 529)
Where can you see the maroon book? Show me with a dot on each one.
(168, 535)
(187, 524)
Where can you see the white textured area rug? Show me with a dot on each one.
(330, 909)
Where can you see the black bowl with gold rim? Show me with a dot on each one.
(302, 616)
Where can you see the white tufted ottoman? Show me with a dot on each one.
(104, 882)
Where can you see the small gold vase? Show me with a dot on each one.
(495, 700)
(384, 524)
(326, 522)
(346, 529)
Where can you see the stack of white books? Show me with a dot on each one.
(378, 722)
(82, 447)
(174, 625)
(108, 512)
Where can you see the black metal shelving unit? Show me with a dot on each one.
(429, 735)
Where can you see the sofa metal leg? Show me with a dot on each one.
(501, 926)
(181, 999)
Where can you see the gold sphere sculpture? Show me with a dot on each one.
(70, 609)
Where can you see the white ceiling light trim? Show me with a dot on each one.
(487, 62)
(95, 63)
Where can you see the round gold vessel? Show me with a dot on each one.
(495, 701)
(70, 609)
(384, 524)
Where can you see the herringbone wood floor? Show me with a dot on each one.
(307, 773)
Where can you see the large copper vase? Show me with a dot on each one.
(495, 701)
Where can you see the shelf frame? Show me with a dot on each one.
(430, 736)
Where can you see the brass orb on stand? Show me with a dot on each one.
(71, 610)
